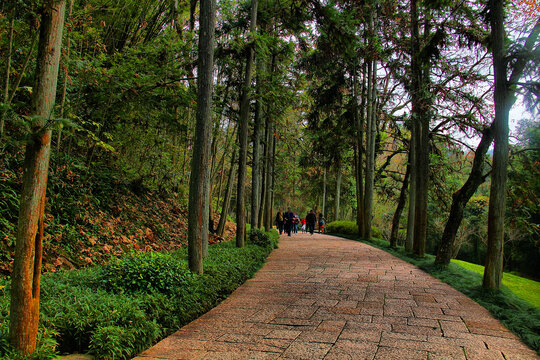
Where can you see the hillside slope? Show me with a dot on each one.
(93, 213)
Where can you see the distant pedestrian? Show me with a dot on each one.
(289, 219)
(322, 222)
(311, 219)
(296, 222)
(280, 220)
(303, 225)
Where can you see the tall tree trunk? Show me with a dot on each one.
(198, 184)
(323, 210)
(370, 150)
(360, 144)
(268, 174)
(64, 85)
(357, 152)
(399, 208)
(504, 97)
(338, 189)
(26, 276)
(412, 192)
(227, 197)
(420, 115)
(497, 195)
(264, 173)
(460, 199)
(243, 135)
(270, 186)
(255, 169)
(8, 71)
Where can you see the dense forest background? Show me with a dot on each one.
(330, 122)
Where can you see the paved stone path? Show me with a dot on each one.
(323, 297)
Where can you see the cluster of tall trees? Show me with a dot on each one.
(261, 104)
(384, 50)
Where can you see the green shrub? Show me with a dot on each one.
(259, 238)
(117, 311)
(376, 232)
(350, 228)
(79, 312)
(145, 272)
(342, 227)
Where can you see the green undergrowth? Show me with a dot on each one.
(116, 311)
(518, 315)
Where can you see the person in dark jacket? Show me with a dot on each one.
(289, 219)
(311, 219)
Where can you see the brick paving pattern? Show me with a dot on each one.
(323, 297)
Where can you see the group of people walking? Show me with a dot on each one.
(289, 222)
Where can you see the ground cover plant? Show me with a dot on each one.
(116, 311)
(518, 315)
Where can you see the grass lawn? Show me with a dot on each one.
(528, 290)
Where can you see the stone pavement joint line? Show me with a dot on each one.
(323, 297)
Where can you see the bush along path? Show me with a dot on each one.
(118, 310)
(324, 297)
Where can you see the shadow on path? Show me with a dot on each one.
(324, 297)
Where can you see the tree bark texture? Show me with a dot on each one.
(460, 199)
(243, 137)
(26, 276)
(255, 169)
(412, 192)
(324, 193)
(268, 219)
(227, 198)
(198, 184)
(338, 190)
(8, 71)
(370, 152)
(360, 144)
(420, 116)
(497, 195)
(66, 73)
(504, 98)
(399, 209)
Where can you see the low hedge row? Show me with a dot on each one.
(349, 228)
(118, 310)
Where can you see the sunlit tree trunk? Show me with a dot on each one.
(198, 184)
(243, 136)
(26, 276)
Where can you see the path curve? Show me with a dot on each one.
(324, 297)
